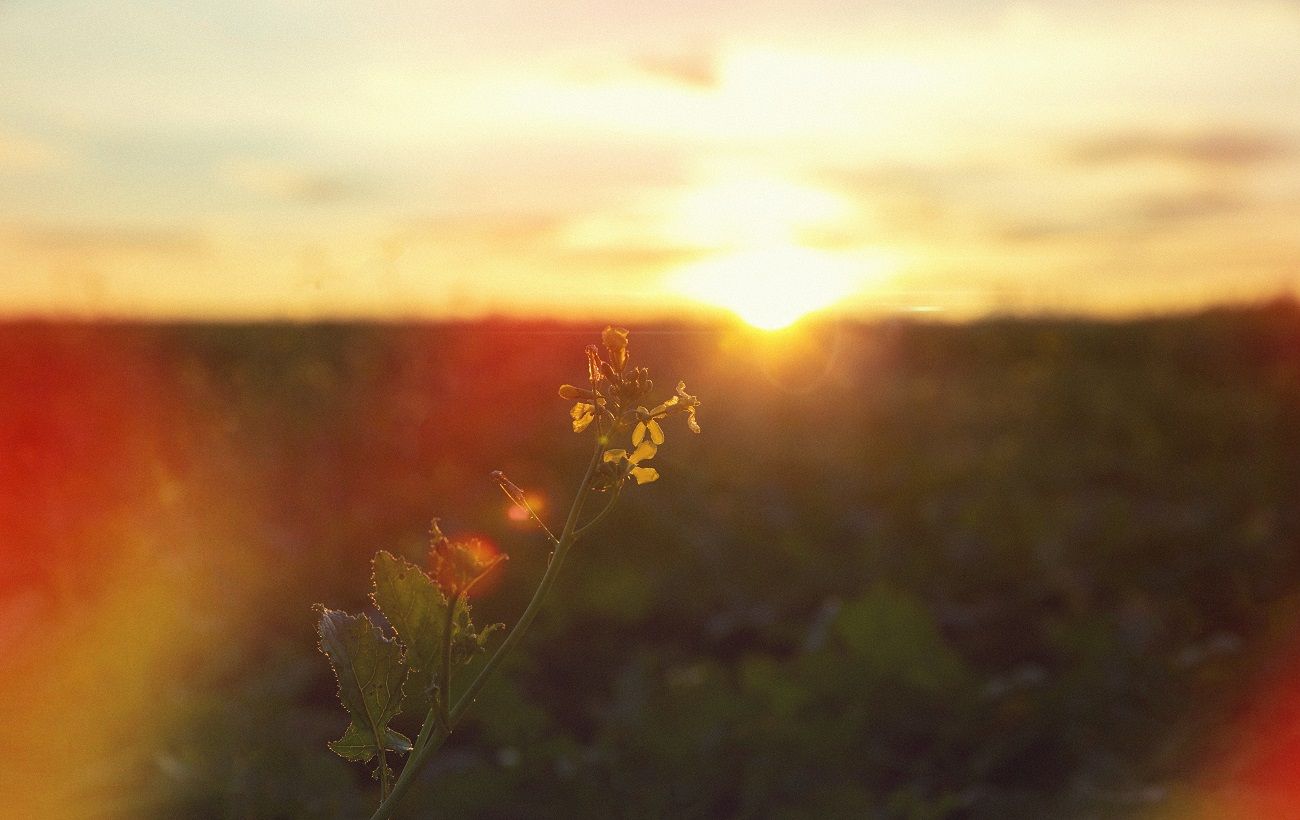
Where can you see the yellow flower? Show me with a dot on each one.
(583, 414)
(614, 392)
(689, 403)
(643, 452)
(650, 424)
(648, 420)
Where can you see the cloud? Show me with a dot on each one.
(1165, 209)
(1145, 215)
(911, 200)
(1212, 149)
(501, 232)
(628, 261)
(114, 240)
(1017, 232)
(535, 236)
(290, 184)
(24, 155)
(697, 69)
(873, 180)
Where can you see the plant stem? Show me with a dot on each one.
(585, 528)
(384, 774)
(444, 677)
(426, 729)
(433, 738)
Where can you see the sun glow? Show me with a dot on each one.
(773, 287)
(758, 267)
(742, 210)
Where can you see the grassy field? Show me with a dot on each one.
(1017, 568)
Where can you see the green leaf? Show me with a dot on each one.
(359, 745)
(416, 610)
(370, 673)
(466, 641)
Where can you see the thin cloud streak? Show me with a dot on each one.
(696, 69)
(109, 240)
(287, 183)
(1213, 149)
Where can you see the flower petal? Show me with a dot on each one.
(638, 432)
(662, 409)
(691, 422)
(656, 433)
(644, 475)
(582, 415)
(687, 398)
(614, 455)
(644, 450)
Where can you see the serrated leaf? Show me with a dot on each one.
(416, 610)
(369, 670)
(359, 745)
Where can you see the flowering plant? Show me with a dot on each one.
(381, 675)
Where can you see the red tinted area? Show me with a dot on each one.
(1259, 775)
(83, 434)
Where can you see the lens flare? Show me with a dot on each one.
(484, 552)
(518, 515)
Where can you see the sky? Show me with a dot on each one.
(395, 159)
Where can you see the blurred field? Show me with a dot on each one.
(1019, 568)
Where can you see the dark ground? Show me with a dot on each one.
(1019, 568)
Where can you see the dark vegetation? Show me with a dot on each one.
(1018, 568)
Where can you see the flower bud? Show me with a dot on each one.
(511, 489)
(615, 339)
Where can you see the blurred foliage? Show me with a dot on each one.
(1016, 568)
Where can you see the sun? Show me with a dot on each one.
(772, 287)
(751, 225)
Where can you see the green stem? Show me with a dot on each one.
(430, 722)
(384, 775)
(444, 677)
(586, 528)
(434, 738)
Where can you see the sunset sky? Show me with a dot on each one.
(286, 158)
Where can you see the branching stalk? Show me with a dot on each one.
(585, 528)
(432, 737)
(611, 407)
